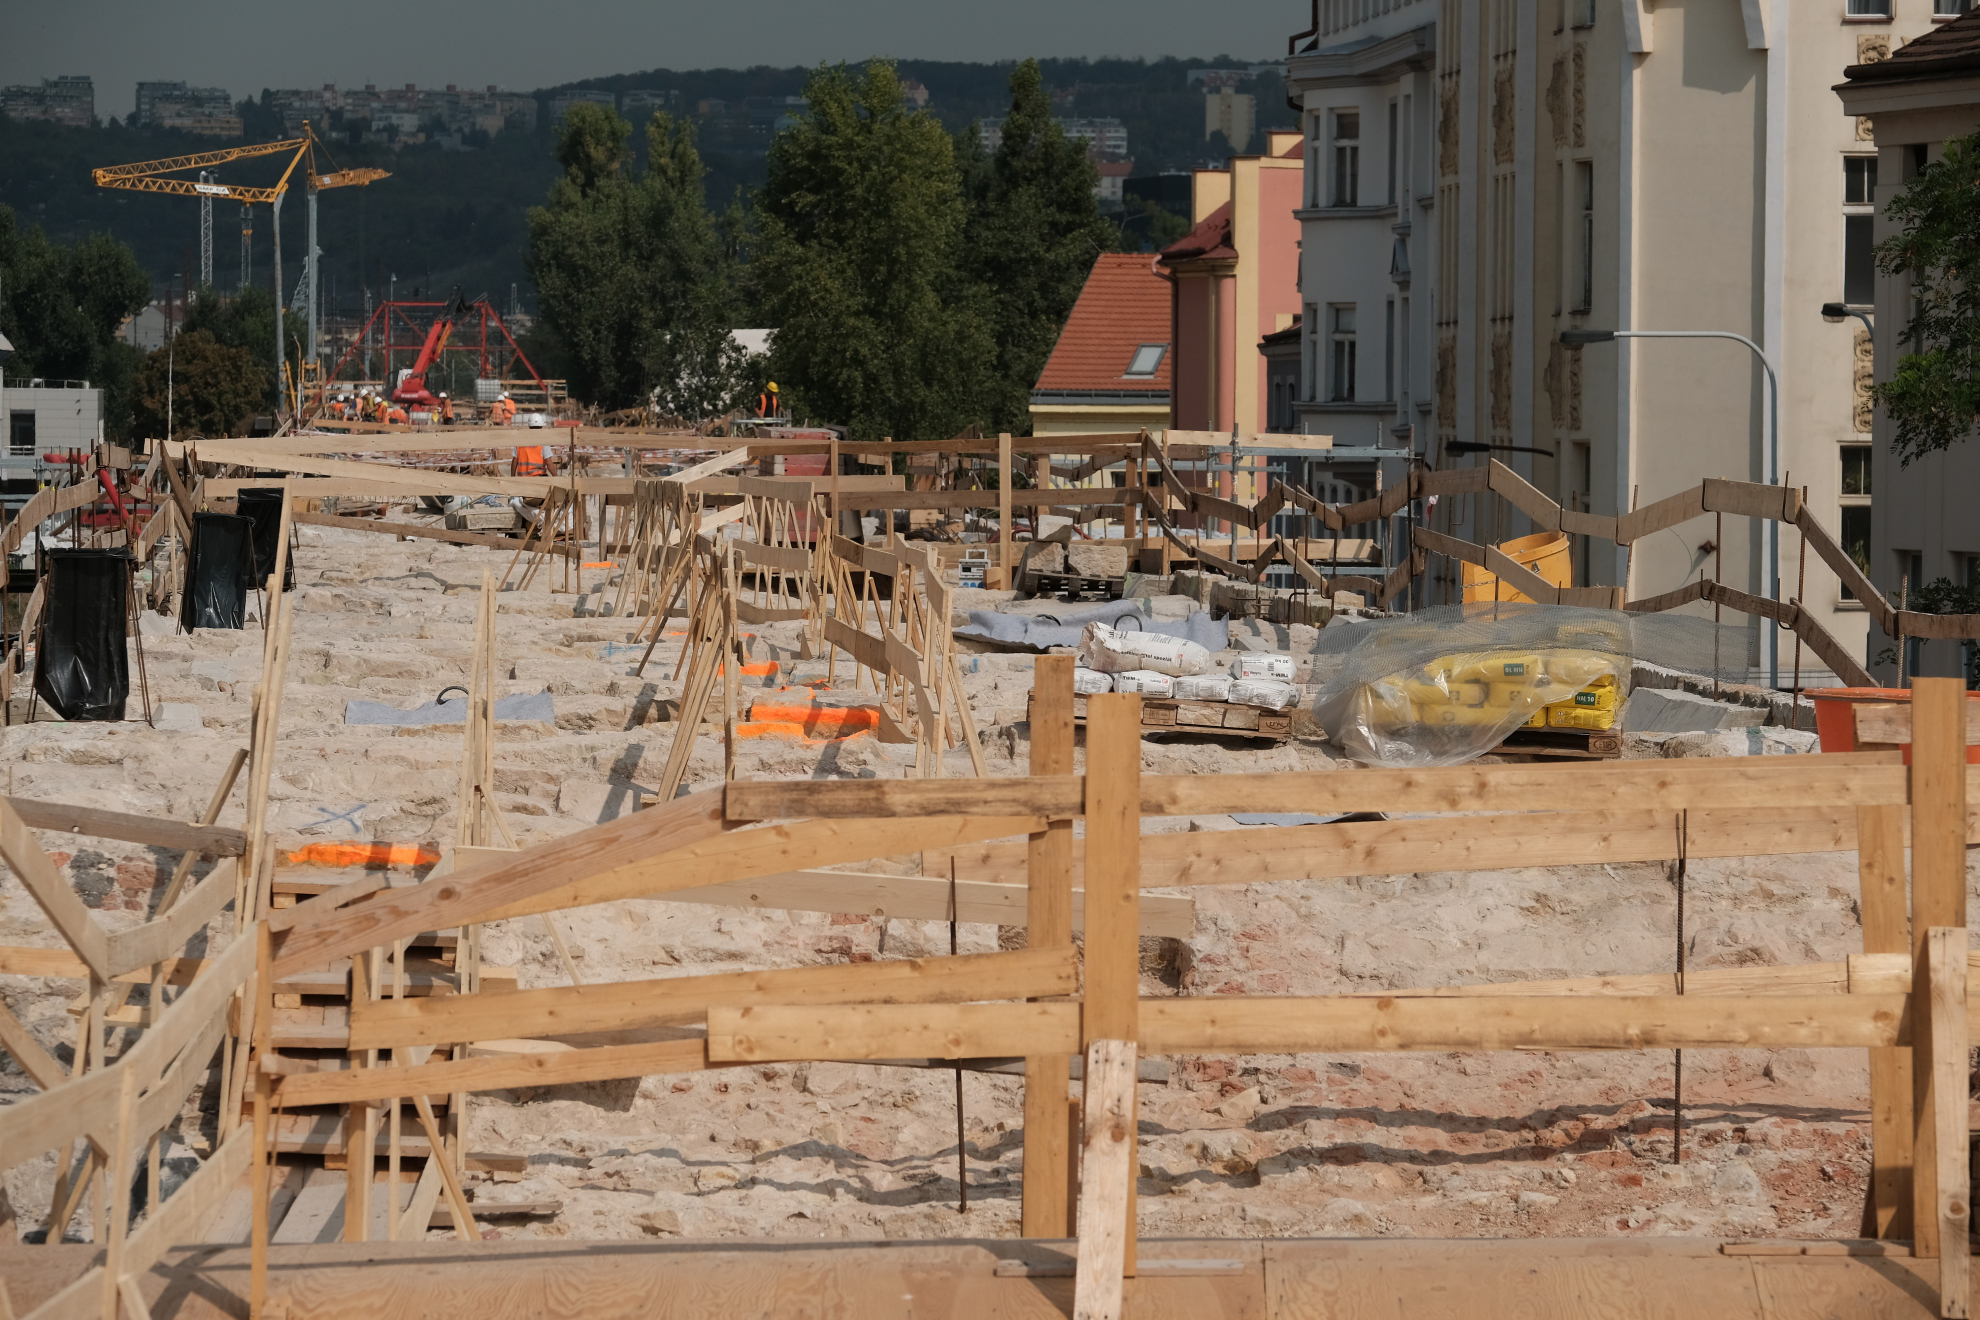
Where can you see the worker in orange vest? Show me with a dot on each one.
(766, 402)
(396, 415)
(446, 409)
(505, 410)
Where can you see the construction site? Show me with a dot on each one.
(677, 884)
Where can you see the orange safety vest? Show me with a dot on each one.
(446, 410)
(529, 461)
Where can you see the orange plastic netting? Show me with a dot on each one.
(363, 854)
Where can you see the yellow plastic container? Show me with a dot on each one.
(1546, 553)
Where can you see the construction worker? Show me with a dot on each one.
(446, 409)
(529, 462)
(766, 402)
(505, 410)
(397, 415)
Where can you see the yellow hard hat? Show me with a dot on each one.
(773, 387)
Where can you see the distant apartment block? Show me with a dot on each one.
(405, 114)
(1105, 139)
(1234, 114)
(561, 103)
(642, 103)
(1113, 177)
(69, 100)
(208, 111)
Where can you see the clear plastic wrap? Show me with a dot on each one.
(1448, 685)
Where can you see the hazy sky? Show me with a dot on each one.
(522, 46)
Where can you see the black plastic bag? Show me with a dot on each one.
(218, 570)
(80, 666)
(264, 505)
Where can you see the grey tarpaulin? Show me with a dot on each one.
(81, 668)
(521, 707)
(1041, 631)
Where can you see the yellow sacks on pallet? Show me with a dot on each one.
(1595, 707)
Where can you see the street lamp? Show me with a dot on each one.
(1835, 313)
(1575, 338)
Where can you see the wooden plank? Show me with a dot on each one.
(1073, 497)
(446, 483)
(1938, 898)
(35, 1061)
(747, 800)
(628, 1005)
(205, 1000)
(1113, 871)
(1006, 525)
(154, 941)
(1945, 1013)
(466, 896)
(766, 851)
(50, 1119)
(917, 898)
(1671, 511)
(1910, 623)
(1046, 1207)
(1522, 495)
(1886, 931)
(1852, 578)
(1258, 1025)
(69, 914)
(1754, 500)
(760, 1034)
(1881, 722)
(504, 1072)
(423, 532)
(1107, 1178)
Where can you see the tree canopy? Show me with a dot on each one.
(1933, 395)
(858, 259)
(629, 273)
(61, 306)
(1034, 230)
(204, 386)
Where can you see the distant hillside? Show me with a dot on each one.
(449, 217)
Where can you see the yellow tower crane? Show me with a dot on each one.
(154, 176)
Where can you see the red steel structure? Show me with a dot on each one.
(453, 325)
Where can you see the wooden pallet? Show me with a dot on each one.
(1226, 719)
(1564, 744)
(1072, 586)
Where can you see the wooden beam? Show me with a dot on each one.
(445, 483)
(506, 1072)
(467, 896)
(424, 532)
(1107, 1178)
(69, 914)
(1006, 532)
(759, 1034)
(1855, 780)
(1071, 497)
(155, 941)
(1938, 898)
(212, 840)
(1046, 1203)
(1891, 722)
(1944, 1009)
(1113, 871)
(630, 1005)
(917, 898)
(1886, 931)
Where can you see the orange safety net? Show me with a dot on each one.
(363, 854)
(808, 722)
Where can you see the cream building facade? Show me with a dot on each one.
(1590, 165)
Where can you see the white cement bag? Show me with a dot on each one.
(1091, 682)
(1114, 652)
(1266, 692)
(1260, 664)
(1147, 682)
(1204, 687)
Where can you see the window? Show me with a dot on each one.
(1584, 13)
(1869, 8)
(1950, 8)
(1584, 187)
(1402, 350)
(1392, 153)
(20, 433)
(1340, 319)
(1347, 158)
(1146, 361)
(1309, 366)
(1855, 512)
(1859, 230)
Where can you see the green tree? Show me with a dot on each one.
(246, 320)
(1035, 228)
(61, 308)
(1933, 394)
(206, 387)
(858, 263)
(628, 269)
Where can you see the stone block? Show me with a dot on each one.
(1668, 710)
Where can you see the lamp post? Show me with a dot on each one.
(1575, 338)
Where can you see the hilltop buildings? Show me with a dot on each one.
(69, 100)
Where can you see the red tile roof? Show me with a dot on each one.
(1210, 240)
(1124, 305)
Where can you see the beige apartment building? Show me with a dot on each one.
(1483, 175)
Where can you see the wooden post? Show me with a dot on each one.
(832, 470)
(1004, 529)
(263, 993)
(1107, 1176)
(1945, 1006)
(1886, 929)
(1113, 894)
(1938, 898)
(1047, 1201)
